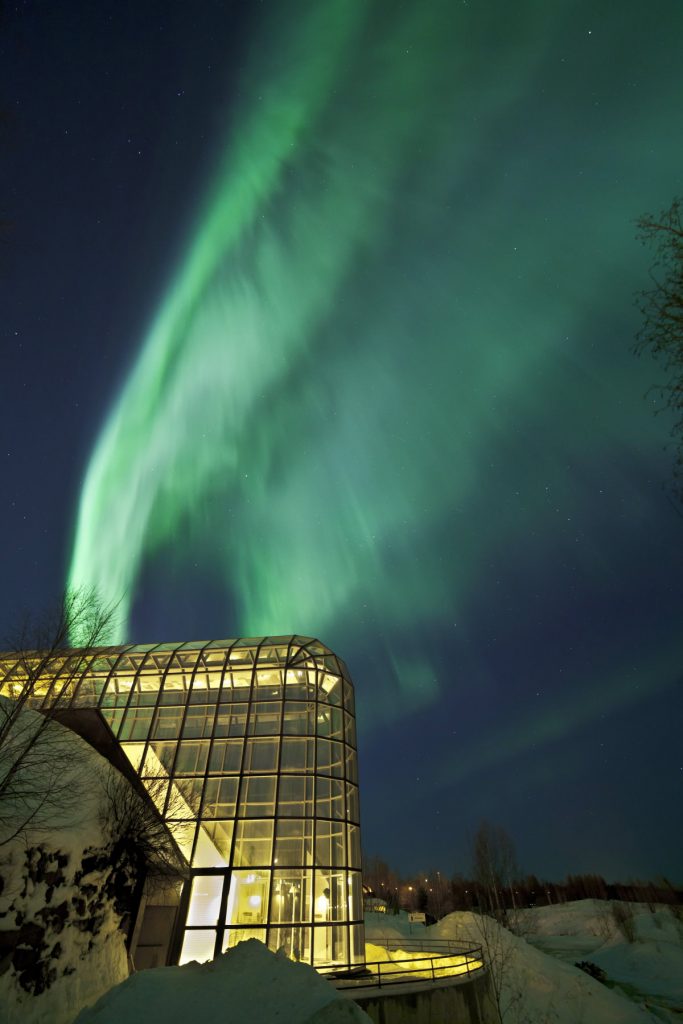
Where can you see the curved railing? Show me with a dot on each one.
(436, 961)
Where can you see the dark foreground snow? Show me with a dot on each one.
(249, 983)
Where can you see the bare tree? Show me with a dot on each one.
(494, 869)
(38, 673)
(136, 829)
(662, 308)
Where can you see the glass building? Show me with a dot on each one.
(248, 749)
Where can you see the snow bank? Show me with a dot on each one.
(246, 985)
(533, 988)
(650, 967)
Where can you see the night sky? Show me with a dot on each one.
(318, 318)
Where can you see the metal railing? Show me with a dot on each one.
(443, 960)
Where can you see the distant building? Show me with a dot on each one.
(249, 749)
(374, 905)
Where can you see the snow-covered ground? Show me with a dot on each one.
(246, 985)
(59, 931)
(649, 969)
(537, 979)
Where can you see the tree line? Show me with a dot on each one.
(495, 885)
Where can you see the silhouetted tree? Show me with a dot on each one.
(37, 674)
(662, 308)
(494, 867)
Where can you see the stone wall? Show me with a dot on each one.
(61, 942)
(466, 1002)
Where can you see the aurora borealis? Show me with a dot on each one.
(376, 385)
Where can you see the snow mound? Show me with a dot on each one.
(246, 984)
(650, 967)
(533, 988)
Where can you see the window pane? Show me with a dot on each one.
(146, 697)
(351, 765)
(330, 722)
(295, 798)
(330, 689)
(299, 718)
(226, 756)
(241, 682)
(357, 944)
(350, 729)
(199, 946)
(231, 720)
(199, 721)
(234, 935)
(192, 757)
(298, 755)
(354, 846)
(230, 694)
(219, 798)
(157, 789)
(205, 687)
(269, 682)
(214, 842)
(159, 758)
(205, 900)
(330, 945)
(172, 693)
(167, 723)
(134, 752)
(264, 719)
(261, 755)
(348, 698)
(331, 897)
(113, 719)
(297, 684)
(292, 896)
(254, 843)
(352, 810)
(137, 724)
(330, 843)
(330, 757)
(295, 942)
(293, 843)
(203, 694)
(248, 898)
(355, 896)
(185, 798)
(257, 799)
(330, 798)
(183, 833)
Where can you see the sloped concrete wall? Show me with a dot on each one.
(469, 1002)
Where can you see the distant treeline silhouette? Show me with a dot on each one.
(437, 895)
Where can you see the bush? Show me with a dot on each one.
(623, 918)
(588, 967)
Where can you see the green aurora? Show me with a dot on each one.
(389, 363)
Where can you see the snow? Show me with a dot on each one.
(538, 988)
(246, 984)
(650, 968)
(86, 964)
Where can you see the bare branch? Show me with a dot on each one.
(661, 307)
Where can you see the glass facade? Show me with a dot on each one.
(248, 748)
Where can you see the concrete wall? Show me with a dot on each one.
(469, 1002)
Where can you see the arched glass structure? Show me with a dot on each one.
(248, 748)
